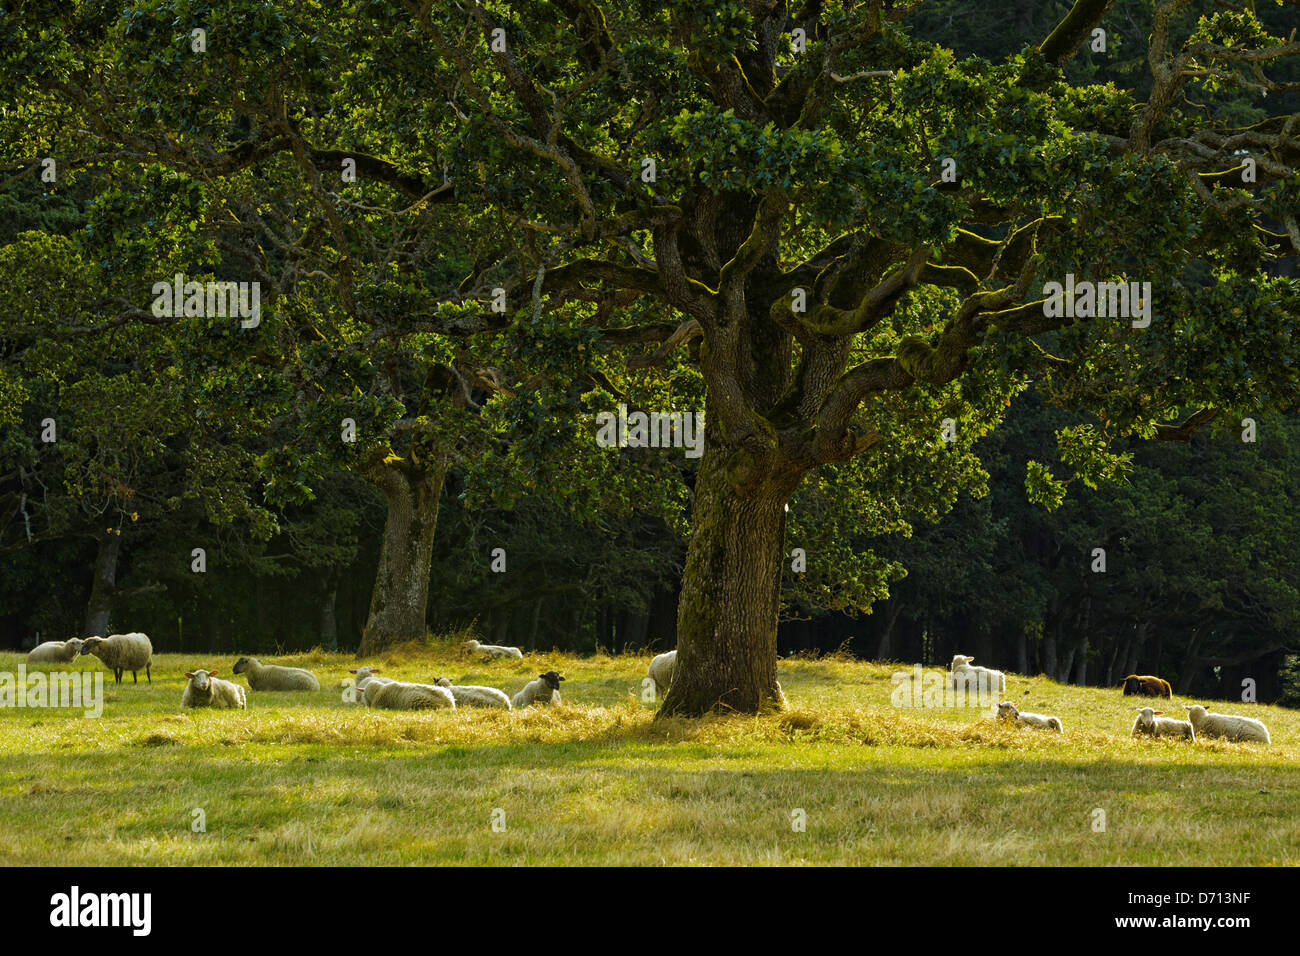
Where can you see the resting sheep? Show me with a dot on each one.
(274, 676)
(1008, 711)
(122, 652)
(55, 652)
(205, 689)
(1231, 726)
(475, 695)
(544, 690)
(493, 650)
(1147, 686)
(661, 671)
(979, 679)
(397, 695)
(1150, 723)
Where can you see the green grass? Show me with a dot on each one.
(303, 779)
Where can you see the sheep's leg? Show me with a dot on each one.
(117, 675)
(146, 672)
(135, 678)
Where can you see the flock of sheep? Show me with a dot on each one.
(1150, 722)
(133, 652)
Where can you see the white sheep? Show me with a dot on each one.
(1022, 718)
(493, 650)
(398, 695)
(205, 689)
(364, 675)
(122, 652)
(1231, 726)
(475, 695)
(1151, 724)
(544, 690)
(275, 676)
(55, 652)
(980, 679)
(661, 671)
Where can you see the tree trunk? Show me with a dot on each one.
(329, 629)
(1022, 652)
(104, 586)
(401, 593)
(730, 600)
(883, 649)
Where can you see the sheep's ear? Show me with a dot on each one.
(352, 671)
(188, 674)
(213, 673)
(1157, 712)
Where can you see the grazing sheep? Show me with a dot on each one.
(1150, 723)
(982, 679)
(1147, 686)
(475, 695)
(55, 652)
(544, 690)
(397, 695)
(1008, 711)
(122, 652)
(661, 671)
(274, 676)
(1231, 726)
(205, 689)
(493, 650)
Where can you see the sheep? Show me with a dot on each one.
(1008, 711)
(364, 675)
(205, 689)
(274, 676)
(1231, 726)
(979, 679)
(493, 650)
(122, 652)
(544, 690)
(1150, 723)
(475, 695)
(397, 695)
(661, 671)
(55, 652)
(1147, 686)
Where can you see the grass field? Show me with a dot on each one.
(302, 779)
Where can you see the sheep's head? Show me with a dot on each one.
(91, 645)
(442, 681)
(76, 643)
(1147, 715)
(471, 645)
(552, 679)
(1131, 685)
(1195, 711)
(959, 660)
(241, 665)
(200, 679)
(1008, 710)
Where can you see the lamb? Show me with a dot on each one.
(493, 650)
(397, 695)
(544, 690)
(1150, 723)
(475, 695)
(55, 652)
(205, 689)
(274, 676)
(1147, 686)
(1231, 726)
(364, 675)
(661, 671)
(979, 679)
(1008, 711)
(122, 652)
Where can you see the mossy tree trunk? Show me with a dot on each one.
(400, 597)
(103, 588)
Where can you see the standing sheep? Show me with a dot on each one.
(1231, 726)
(980, 679)
(544, 690)
(397, 695)
(475, 695)
(205, 689)
(122, 652)
(274, 676)
(1008, 711)
(1150, 723)
(661, 671)
(55, 652)
(1147, 686)
(493, 650)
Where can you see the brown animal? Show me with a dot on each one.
(1147, 686)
